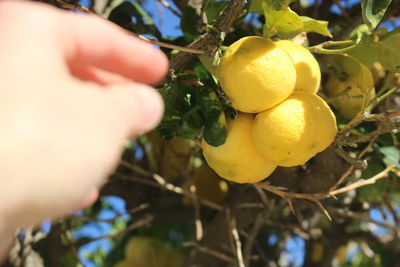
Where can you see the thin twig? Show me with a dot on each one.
(143, 222)
(134, 210)
(363, 182)
(290, 202)
(198, 223)
(251, 238)
(359, 216)
(148, 40)
(366, 118)
(319, 204)
(342, 9)
(162, 183)
(261, 193)
(388, 204)
(238, 243)
(350, 170)
(170, 8)
(319, 196)
(211, 252)
(228, 216)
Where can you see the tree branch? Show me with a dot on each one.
(210, 41)
(319, 196)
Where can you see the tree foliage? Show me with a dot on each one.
(340, 209)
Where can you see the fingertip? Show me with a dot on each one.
(163, 67)
(152, 106)
(88, 199)
(137, 108)
(153, 71)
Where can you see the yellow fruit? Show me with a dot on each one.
(126, 263)
(169, 158)
(341, 255)
(238, 159)
(317, 252)
(292, 132)
(151, 252)
(359, 88)
(308, 72)
(256, 74)
(207, 185)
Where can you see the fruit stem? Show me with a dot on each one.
(356, 163)
(381, 98)
(333, 43)
(319, 50)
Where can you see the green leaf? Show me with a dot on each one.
(388, 52)
(118, 226)
(373, 192)
(360, 33)
(213, 10)
(189, 21)
(286, 23)
(373, 11)
(366, 53)
(391, 156)
(317, 26)
(256, 5)
(207, 62)
(282, 23)
(215, 129)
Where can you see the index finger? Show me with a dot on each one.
(93, 41)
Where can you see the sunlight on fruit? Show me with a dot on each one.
(307, 68)
(256, 74)
(292, 132)
(238, 159)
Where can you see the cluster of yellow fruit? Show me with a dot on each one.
(282, 122)
(142, 251)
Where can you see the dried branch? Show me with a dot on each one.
(143, 222)
(111, 220)
(162, 183)
(388, 204)
(342, 9)
(349, 140)
(319, 196)
(196, 206)
(238, 243)
(360, 216)
(211, 252)
(319, 204)
(366, 118)
(251, 238)
(170, 8)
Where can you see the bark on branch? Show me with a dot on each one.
(210, 41)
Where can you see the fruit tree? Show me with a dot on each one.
(279, 145)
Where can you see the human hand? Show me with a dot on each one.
(71, 92)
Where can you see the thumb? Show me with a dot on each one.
(137, 108)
